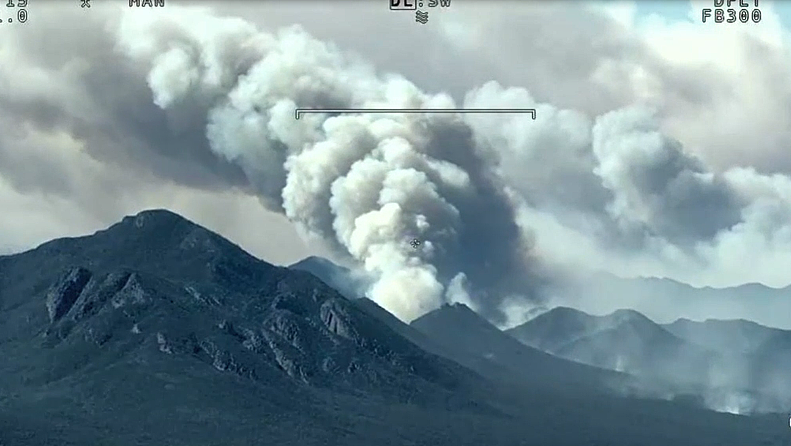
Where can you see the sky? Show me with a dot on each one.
(660, 149)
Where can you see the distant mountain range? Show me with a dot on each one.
(470, 340)
(657, 298)
(727, 335)
(733, 365)
(736, 365)
(157, 331)
(624, 340)
(666, 300)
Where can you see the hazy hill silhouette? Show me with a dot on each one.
(724, 363)
(476, 343)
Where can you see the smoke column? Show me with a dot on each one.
(366, 184)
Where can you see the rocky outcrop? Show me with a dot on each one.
(131, 293)
(337, 320)
(65, 292)
(96, 293)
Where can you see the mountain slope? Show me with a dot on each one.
(624, 340)
(727, 379)
(474, 342)
(726, 335)
(754, 356)
(124, 288)
(407, 331)
(552, 329)
(666, 299)
(157, 331)
(336, 276)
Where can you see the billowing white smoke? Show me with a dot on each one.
(657, 188)
(369, 184)
(616, 185)
(619, 169)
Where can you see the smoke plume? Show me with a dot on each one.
(366, 184)
(369, 184)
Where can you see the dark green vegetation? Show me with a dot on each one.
(159, 332)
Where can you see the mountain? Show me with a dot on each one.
(470, 340)
(157, 331)
(407, 331)
(158, 304)
(754, 356)
(129, 285)
(684, 354)
(624, 340)
(726, 335)
(338, 277)
(664, 299)
(436, 332)
(552, 329)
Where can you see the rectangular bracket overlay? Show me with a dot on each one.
(531, 111)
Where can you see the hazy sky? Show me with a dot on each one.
(662, 145)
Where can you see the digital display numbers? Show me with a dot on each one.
(732, 11)
(14, 12)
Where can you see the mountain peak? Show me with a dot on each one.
(163, 232)
(454, 315)
(565, 317)
(156, 223)
(471, 340)
(459, 309)
(567, 312)
(459, 306)
(628, 315)
(550, 330)
(318, 260)
(154, 216)
(156, 241)
(338, 277)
